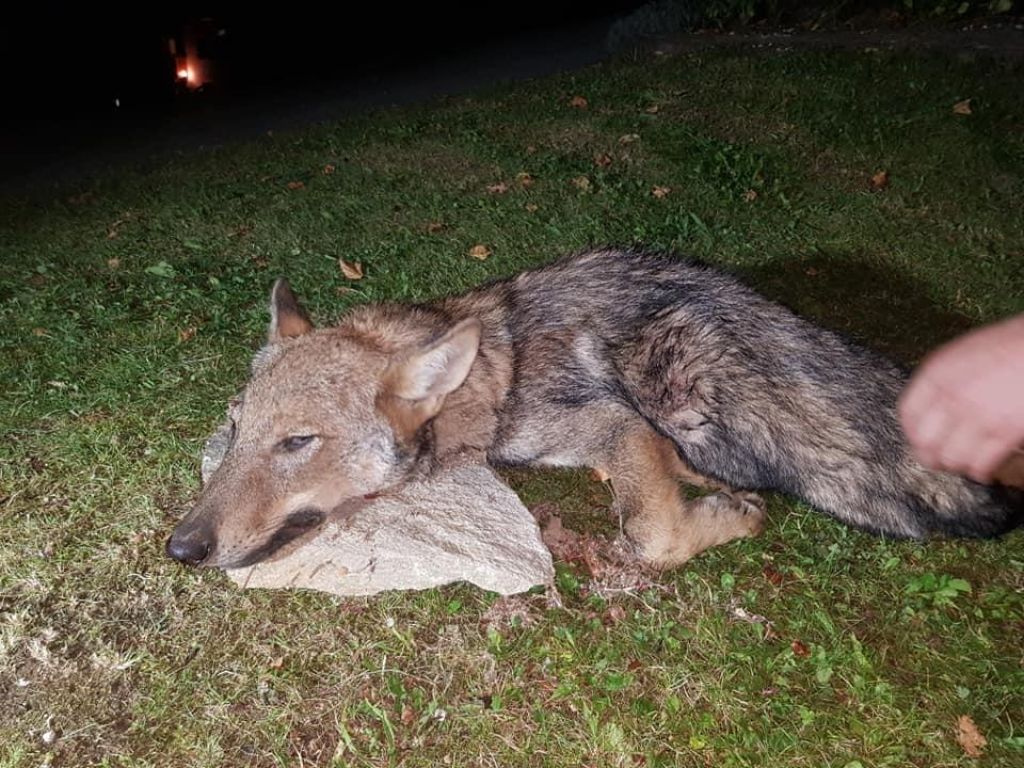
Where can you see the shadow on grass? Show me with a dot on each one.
(871, 304)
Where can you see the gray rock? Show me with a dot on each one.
(461, 525)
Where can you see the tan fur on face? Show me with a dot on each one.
(325, 384)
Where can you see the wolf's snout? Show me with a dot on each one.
(192, 548)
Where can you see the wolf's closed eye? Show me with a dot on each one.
(295, 442)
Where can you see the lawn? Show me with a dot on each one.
(844, 184)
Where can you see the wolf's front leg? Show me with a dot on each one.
(666, 528)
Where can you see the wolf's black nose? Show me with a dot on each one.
(191, 550)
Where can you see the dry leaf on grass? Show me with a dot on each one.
(629, 138)
(661, 192)
(969, 736)
(187, 334)
(328, 169)
(602, 160)
(352, 270)
(40, 332)
(525, 180)
(276, 663)
(742, 614)
(598, 475)
(480, 252)
(653, 109)
(880, 180)
(531, 207)
(434, 227)
(508, 611)
(772, 575)
(962, 107)
(614, 615)
(498, 189)
(578, 102)
(750, 196)
(112, 232)
(293, 185)
(564, 543)
(531, 150)
(799, 649)
(113, 263)
(582, 183)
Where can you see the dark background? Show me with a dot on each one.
(64, 59)
(86, 84)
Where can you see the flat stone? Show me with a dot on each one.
(461, 525)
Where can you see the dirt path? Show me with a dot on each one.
(1002, 39)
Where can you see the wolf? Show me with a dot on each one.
(651, 368)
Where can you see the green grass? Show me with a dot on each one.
(130, 308)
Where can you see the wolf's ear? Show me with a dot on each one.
(287, 318)
(416, 384)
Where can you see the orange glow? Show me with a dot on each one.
(183, 74)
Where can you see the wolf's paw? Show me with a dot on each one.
(747, 508)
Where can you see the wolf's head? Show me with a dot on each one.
(329, 417)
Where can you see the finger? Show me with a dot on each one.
(988, 457)
(962, 447)
(929, 433)
(915, 403)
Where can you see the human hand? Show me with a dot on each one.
(963, 410)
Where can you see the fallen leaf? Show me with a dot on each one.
(352, 270)
(543, 511)
(773, 576)
(661, 192)
(564, 543)
(653, 109)
(187, 334)
(629, 138)
(408, 715)
(276, 663)
(328, 169)
(750, 195)
(614, 614)
(480, 252)
(799, 649)
(598, 475)
(811, 272)
(40, 332)
(343, 290)
(880, 180)
(525, 180)
(498, 189)
(434, 227)
(507, 612)
(531, 150)
(531, 207)
(603, 160)
(579, 102)
(582, 183)
(112, 232)
(969, 736)
(293, 185)
(113, 263)
(962, 107)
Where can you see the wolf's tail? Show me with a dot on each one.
(953, 506)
